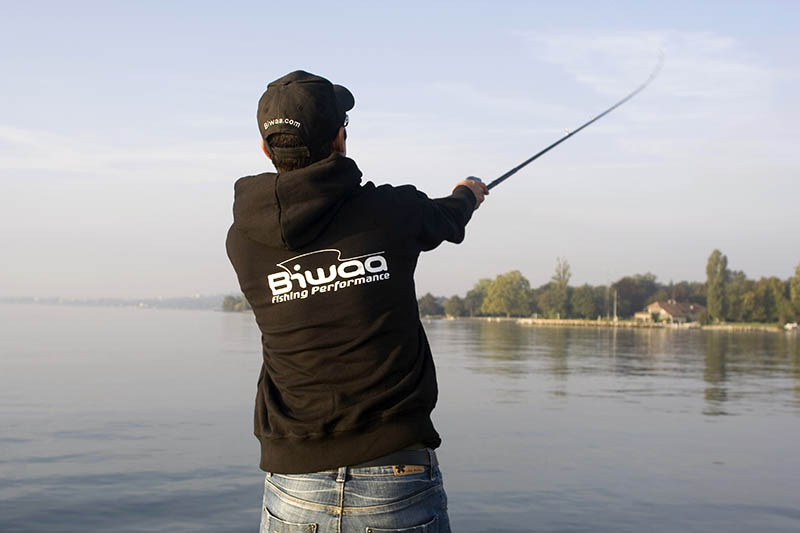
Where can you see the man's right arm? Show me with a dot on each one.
(442, 219)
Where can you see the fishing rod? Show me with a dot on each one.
(519, 167)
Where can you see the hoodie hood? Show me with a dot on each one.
(291, 209)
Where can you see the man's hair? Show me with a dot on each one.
(286, 163)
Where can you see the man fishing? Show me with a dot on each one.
(347, 383)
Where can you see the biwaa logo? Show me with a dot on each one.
(289, 121)
(325, 271)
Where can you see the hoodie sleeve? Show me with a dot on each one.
(432, 221)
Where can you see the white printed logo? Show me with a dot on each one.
(324, 271)
(289, 121)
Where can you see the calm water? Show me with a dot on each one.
(141, 420)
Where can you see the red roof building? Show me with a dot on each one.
(670, 311)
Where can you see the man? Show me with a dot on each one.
(347, 382)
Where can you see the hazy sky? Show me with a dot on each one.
(124, 125)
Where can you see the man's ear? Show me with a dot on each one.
(264, 147)
(339, 142)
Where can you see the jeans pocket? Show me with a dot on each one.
(272, 524)
(432, 526)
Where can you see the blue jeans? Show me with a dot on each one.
(376, 499)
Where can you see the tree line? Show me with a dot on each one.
(235, 303)
(729, 296)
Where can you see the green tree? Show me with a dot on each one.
(602, 300)
(508, 295)
(716, 281)
(750, 307)
(533, 299)
(794, 291)
(554, 301)
(680, 292)
(783, 307)
(661, 295)
(546, 301)
(235, 303)
(429, 306)
(454, 306)
(761, 303)
(697, 292)
(583, 302)
(229, 303)
(475, 296)
(633, 293)
(735, 291)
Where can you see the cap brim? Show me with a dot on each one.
(344, 98)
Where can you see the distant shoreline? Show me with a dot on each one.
(191, 303)
(626, 324)
(206, 303)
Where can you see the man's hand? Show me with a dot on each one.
(477, 187)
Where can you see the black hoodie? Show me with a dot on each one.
(328, 266)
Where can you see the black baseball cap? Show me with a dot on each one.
(305, 105)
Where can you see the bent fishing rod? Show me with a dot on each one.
(519, 167)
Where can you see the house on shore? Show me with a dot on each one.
(670, 311)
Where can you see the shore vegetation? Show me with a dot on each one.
(729, 296)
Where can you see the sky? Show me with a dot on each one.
(123, 126)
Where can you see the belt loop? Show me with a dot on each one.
(342, 475)
(269, 474)
(432, 463)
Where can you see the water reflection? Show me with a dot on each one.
(794, 365)
(556, 342)
(749, 366)
(501, 348)
(715, 372)
(723, 371)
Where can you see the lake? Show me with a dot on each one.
(125, 419)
